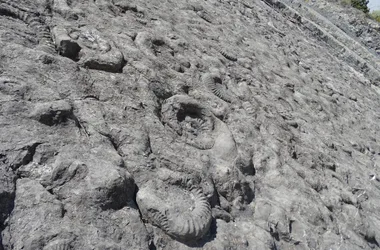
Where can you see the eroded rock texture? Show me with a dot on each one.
(241, 124)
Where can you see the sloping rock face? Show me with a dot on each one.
(241, 124)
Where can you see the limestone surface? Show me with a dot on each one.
(188, 124)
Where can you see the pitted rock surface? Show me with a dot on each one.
(242, 124)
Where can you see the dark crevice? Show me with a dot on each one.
(1, 243)
(274, 233)
(214, 200)
(64, 211)
(186, 89)
(69, 49)
(7, 200)
(50, 191)
(149, 146)
(158, 42)
(78, 123)
(157, 111)
(371, 240)
(5, 12)
(294, 155)
(55, 117)
(151, 246)
(122, 64)
(114, 144)
(6, 206)
(213, 230)
(189, 110)
(126, 7)
(1, 239)
(290, 226)
(162, 93)
(3, 158)
(31, 150)
(111, 68)
(179, 68)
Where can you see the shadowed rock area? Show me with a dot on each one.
(188, 124)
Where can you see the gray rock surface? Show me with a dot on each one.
(241, 124)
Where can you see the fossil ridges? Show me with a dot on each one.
(34, 21)
(180, 222)
(189, 119)
(215, 84)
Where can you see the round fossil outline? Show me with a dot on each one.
(193, 226)
(218, 88)
(193, 122)
(148, 42)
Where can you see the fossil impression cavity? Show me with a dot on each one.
(189, 119)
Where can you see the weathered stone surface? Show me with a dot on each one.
(188, 125)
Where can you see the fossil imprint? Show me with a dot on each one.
(182, 212)
(198, 127)
(189, 119)
(215, 84)
(33, 20)
(59, 244)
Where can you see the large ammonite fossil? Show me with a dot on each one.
(189, 119)
(182, 212)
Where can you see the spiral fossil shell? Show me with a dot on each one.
(189, 119)
(183, 213)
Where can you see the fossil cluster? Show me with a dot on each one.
(188, 124)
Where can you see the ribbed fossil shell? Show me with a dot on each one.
(46, 43)
(153, 44)
(45, 40)
(183, 213)
(215, 84)
(58, 245)
(205, 16)
(227, 54)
